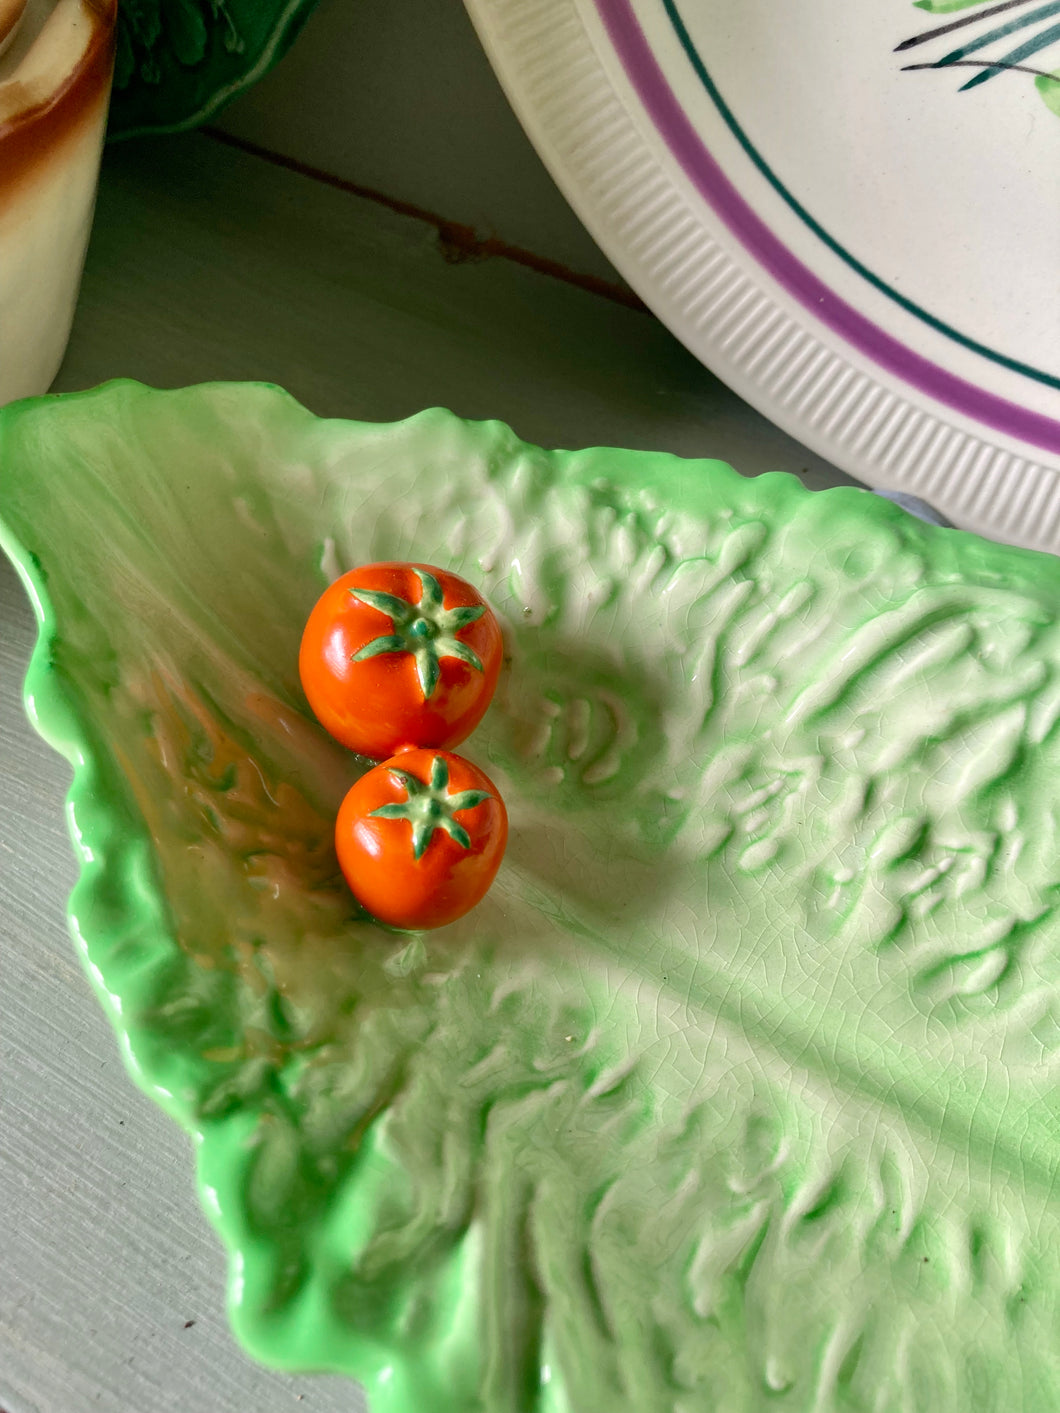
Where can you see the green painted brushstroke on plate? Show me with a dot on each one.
(1047, 85)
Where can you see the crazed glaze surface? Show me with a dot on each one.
(738, 1090)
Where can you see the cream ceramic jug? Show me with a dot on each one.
(56, 60)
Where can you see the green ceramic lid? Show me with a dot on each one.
(178, 62)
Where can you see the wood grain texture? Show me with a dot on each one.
(402, 97)
(206, 263)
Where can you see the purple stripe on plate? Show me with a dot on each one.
(643, 71)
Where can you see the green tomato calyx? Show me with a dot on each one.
(425, 629)
(430, 807)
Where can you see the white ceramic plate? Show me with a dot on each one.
(868, 252)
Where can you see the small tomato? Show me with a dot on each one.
(420, 838)
(398, 655)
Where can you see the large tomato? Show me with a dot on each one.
(420, 838)
(398, 655)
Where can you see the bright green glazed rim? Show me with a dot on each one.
(738, 1090)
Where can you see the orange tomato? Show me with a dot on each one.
(399, 655)
(420, 838)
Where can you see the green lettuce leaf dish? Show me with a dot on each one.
(739, 1090)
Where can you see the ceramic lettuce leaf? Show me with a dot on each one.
(738, 1091)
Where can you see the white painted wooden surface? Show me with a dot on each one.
(398, 95)
(206, 263)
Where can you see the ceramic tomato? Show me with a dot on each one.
(420, 838)
(399, 655)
